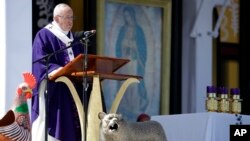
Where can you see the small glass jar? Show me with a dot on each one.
(223, 100)
(211, 101)
(235, 101)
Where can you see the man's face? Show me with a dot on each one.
(65, 19)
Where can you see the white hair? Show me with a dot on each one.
(58, 9)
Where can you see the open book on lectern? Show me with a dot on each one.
(103, 66)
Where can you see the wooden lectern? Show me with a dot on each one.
(103, 66)
(99, 67)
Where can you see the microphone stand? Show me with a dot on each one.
(47, 58)
(84, 41)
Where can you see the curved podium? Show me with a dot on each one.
(99, 68)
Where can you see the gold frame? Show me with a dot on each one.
(166, 41)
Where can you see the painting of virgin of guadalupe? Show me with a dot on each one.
(131, 44)
(134, 32)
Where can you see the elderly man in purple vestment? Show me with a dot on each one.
(63, 121)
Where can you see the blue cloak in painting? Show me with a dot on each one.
(131, 44)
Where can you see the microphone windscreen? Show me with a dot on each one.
(79, 34)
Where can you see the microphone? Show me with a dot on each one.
(88, 33)
(82, 34)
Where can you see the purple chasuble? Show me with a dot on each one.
(63, 122)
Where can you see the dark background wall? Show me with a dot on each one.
(245, 56)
